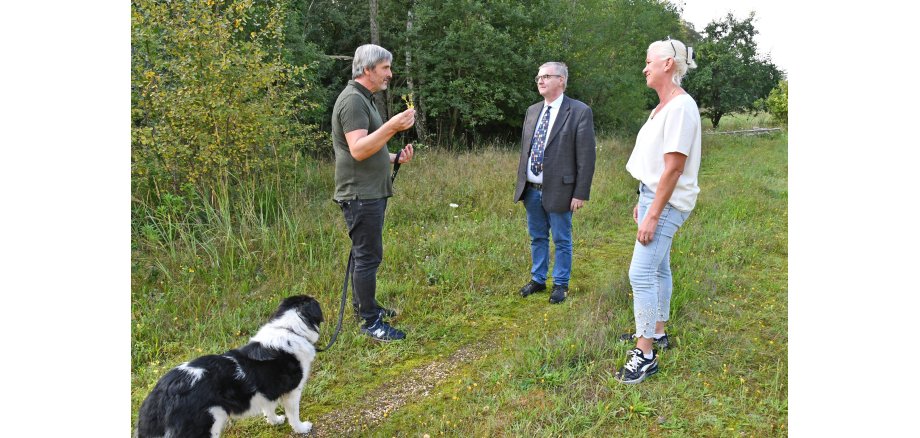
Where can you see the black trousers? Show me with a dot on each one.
(364, 218)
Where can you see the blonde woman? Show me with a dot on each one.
(666, 161)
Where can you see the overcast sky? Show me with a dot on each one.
(769, 21)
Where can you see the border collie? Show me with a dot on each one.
(197, 398)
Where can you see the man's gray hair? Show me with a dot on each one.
(561, 69)
(368, 56)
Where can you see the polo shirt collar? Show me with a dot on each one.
(367, 93)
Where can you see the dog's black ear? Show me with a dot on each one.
(256, 351)
(312, 311)
(292, 302)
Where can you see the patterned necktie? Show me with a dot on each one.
(538, 144)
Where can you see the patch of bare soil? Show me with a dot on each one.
(390, 396)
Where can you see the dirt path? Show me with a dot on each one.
(394, 394)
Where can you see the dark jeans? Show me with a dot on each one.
(364, 218)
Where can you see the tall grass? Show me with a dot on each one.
(453, 274)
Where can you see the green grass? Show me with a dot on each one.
(454, 273)
(738, 121)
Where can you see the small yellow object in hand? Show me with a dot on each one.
(408, 101)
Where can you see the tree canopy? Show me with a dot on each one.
(731, 75)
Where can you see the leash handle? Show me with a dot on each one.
(396, 165)
(338, 327)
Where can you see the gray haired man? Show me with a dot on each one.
(554, 177)
(362, 182)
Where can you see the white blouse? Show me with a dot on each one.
(676, 128)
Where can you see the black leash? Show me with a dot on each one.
(348, 267)
(338, 327)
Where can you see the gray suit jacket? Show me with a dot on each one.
(568, 158)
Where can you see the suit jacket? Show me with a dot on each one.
(568, 158)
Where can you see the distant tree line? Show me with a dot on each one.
(230, 90)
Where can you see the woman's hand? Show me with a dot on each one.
(647, 229)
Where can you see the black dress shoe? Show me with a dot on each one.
(558, 294)
(531, 288)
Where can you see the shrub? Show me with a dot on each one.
(213, 102)
(778, 102)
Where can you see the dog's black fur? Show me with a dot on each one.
(196, 398)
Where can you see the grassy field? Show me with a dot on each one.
(479, 360)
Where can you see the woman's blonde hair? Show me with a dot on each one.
(682, 55)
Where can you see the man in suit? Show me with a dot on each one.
(554, 176)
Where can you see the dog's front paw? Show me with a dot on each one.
(304, 427)
(275, 420)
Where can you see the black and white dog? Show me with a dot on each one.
(197, 398)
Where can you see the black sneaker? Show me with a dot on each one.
(383, 332)
(558, 294)
(661, 344)
(531, 288)
(637, 367)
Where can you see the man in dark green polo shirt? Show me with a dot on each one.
(362, 179)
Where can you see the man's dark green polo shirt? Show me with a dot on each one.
(368, 179)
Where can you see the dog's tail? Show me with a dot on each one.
(158, 406)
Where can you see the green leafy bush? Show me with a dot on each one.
(213, 101)
(778, 102)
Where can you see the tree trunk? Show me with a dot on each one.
(380, 98)
(375, 31)
(715, 120)
(420, 128)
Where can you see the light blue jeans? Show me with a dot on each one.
(539, 224)
(650, 270)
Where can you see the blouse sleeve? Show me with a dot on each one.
(680, 128)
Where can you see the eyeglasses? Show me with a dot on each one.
(545, 77)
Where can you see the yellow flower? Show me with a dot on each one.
(408, 101)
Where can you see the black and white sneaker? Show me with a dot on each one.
(662, 343)
(383, 332)
(637, 367)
